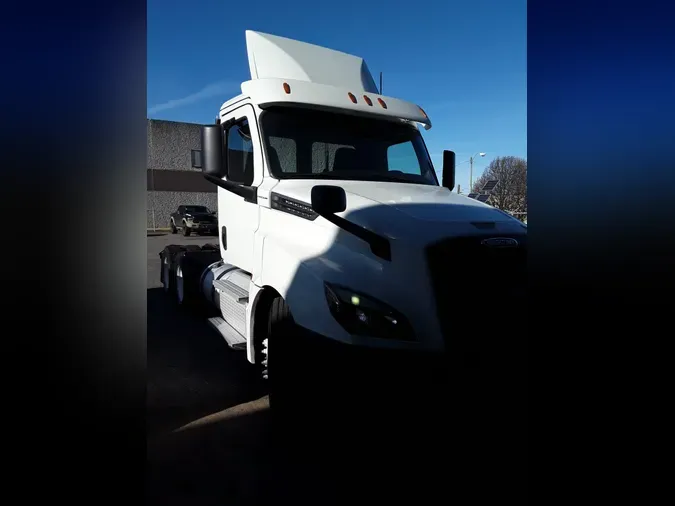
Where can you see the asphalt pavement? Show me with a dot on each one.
(212, 439)
(206, 409)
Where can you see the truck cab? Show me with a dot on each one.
(328, 201)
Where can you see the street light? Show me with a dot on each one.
(470, 160)
(482, 155)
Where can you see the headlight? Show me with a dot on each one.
(361, 315)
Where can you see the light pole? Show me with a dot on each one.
(470, 160)
(471, 170)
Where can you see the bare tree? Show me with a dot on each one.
(510, 194)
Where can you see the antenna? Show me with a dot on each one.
(380, 83)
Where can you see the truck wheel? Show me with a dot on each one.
(168, 258)
(173, 227)
(168, 271)
(190, 264)
(186, 230)
(281, 338)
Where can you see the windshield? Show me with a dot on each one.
(316, 145)
(196, 209)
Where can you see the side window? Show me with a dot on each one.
(240, 154)
(402, 157)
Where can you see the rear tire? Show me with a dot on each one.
(168, 270)
(189, 269)
(173, 227)
(168, 257)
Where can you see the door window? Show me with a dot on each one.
(240, 154)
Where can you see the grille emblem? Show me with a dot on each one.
(500, 242)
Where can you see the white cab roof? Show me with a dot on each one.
(294, 73)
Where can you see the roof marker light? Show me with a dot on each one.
(367, 99)
(382, 103)
(352, 97)
(287, 88)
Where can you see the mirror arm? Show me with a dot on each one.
(379, 245)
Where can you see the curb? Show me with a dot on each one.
(158, 231)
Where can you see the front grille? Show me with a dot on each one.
(480, 291)
(203, 219)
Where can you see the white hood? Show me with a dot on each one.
(370, 204)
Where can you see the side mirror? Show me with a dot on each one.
(328, 200)
(212, 161)
(449, 169)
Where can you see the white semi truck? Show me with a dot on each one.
(332, 222)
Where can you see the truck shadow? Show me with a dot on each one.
(255, 459)
(388, 450)
(191, 372)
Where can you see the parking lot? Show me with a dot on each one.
(211, 438)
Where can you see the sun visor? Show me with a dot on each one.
(278, 92)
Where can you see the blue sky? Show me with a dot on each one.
(464, 62)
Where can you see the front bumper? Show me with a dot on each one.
(203, 227)
(399, 366)
(337, 358)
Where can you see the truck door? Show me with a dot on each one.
(238, 217)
